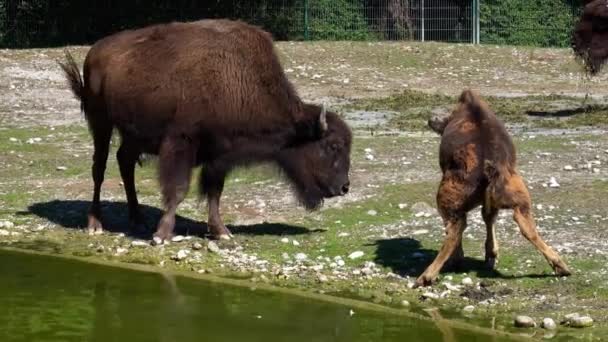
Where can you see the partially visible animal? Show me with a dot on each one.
(209, 93)
(478, 161)
(590, 35)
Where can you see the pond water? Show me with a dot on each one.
(45, 298)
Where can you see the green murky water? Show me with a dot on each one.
(51, 299)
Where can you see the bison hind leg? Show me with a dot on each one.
(211, 185)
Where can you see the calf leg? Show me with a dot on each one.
(455, 228)
(212, 184)
(102, 134)
(525, 221)
(176, 159)
(515, 195)
(127, 157)
(489, 215)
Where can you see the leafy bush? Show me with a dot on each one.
(335, 20)
(524, 22)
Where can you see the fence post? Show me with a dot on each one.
(422, 20)
(306, 31)
(477, 16)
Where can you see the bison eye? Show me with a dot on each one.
(334, 147)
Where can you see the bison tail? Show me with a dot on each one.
(72, 75)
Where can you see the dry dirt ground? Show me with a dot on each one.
(45, 186)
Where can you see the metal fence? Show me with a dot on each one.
(31, 23)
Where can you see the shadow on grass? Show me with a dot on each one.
(72, 214)
(406, 257)
(566, 112)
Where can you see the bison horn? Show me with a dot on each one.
(323, 119)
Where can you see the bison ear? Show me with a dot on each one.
(323, 119)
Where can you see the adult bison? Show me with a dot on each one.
(209, 93)
(590, 35)
(478, 161)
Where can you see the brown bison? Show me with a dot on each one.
(209, 93)
(590, 35)
(477, 158)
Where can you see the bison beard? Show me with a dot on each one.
(209, 93)
(590, 36)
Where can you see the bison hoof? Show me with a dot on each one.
(226, 237)
(562, 270)
(490, 263)
(423, 281)
(158, 240)
(94, 227)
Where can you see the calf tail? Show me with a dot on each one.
(72, 75)
(477, 106)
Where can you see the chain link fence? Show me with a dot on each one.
(35, 23)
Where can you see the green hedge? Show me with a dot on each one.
(526, 22)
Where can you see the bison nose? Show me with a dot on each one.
(345, 188)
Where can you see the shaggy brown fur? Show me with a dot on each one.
(477, 158)
(210, 92)
(590, 35)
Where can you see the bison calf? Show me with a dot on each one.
(477, 158)
(209, 93)
(590, 35)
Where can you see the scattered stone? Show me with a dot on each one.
(157, 241)
(422, 207)
(178, 238)
(549, 324)
(139, 243)
(4, 232)
(356, 255)
(430, 295)
(61, 168)
(524, 322)
(405, 303)
(181, 255)
(467, 281)
(568, 168)
(100, 249)
(343, 235)
(322, 278)
(420, 232)
(553, 183)
(351, 312)
(301, 257)
(468, 309)
(340, 262)
(372, 213)
(369, 157)
(295, 243)
(11, 139)
(576, 321)
(285, 240)
(197, 246)
(7, 224)
(213, 247)
(367, 271)
(402, 206)
(120, 251)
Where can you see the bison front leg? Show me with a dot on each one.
(489, 217)
(176, 159)
(212, 184)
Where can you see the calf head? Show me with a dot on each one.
(319, 167)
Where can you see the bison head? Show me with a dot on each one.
(590, 36)
(318, 166)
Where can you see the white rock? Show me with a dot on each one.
(467, 281)
(120, 251)
(340, 262)
(568, 168)
(178, 238)
(181, 255)
(301, 257)
(405, 303)
(553, 183)
(4, 232)
(139, 243)
(402, 205)
(11, 139)
(420, 232)
(285, 240)
(549, 324)
(430, 295)
(213, 247)
(372, 213)
(197, 246)
(524, 322)
(7, 224)
(343, 235)
(346, 81)
(322, 278)
(61, 168)
(356, 255)
(295, 243)
(369, 157)
(369, 150)
(468, 309)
